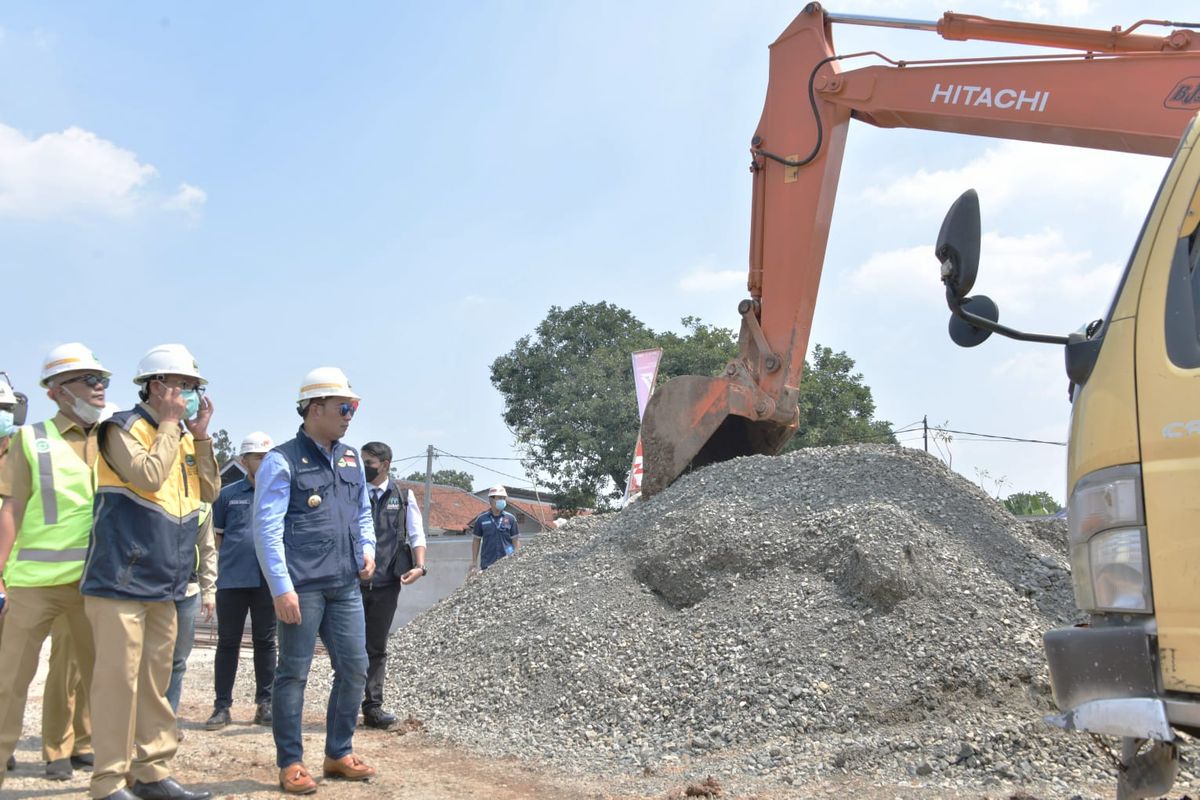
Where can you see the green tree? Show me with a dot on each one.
(836, 407)
(447, 477)
(1031, 504)
(223, 447)
(568, 392)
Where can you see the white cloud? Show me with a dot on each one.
(75, 172)
(187, 198)
(1039, 366)
(1035, 175)
(1018, 272)
(706, 277)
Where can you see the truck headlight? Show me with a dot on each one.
(1119, 573)
(1109, 556)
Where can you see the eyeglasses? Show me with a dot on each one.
(185, 386)
(91, 380)
(347, 409)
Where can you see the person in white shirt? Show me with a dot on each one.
(400, 556)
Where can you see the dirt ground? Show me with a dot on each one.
(239, 762)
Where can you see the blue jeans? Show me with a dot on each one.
(337, 616)
(185, 637)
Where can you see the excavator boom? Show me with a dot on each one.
(1125, 92)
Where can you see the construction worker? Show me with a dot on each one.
(198, 598)
(496, 534)
(241, 590)
(45, 526)
(66, 723)
(68, 746)
(157, 468)
(315, 540)
(400, 560)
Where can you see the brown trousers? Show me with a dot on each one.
(27, 624)
(135, 643)
(66, 723)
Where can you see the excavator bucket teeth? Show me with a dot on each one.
(690, 423)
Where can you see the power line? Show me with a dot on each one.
(997, 437)
(477, 458)
(483, 467)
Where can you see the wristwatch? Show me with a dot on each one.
(421, 567)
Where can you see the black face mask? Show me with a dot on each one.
(372, 472)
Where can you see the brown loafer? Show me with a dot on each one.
(296, 780)
(348, 768)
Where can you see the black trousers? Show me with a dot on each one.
(379, 609)
(232, 607)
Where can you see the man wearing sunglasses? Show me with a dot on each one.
(315, 540)
(157, 467)
(45, 526)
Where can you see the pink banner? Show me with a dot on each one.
(645, 371)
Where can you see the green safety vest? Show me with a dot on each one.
(52, 542)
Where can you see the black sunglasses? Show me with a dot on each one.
(91, 380)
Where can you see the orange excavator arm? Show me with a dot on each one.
(1126, 92)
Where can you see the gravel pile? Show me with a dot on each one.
(770, 621)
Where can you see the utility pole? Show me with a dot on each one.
(925, 423)
(428, 483)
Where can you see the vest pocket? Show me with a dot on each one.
(306, 556)
(125, 576)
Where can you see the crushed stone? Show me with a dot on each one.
(768, 621)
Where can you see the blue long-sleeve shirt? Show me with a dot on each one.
(272, 493)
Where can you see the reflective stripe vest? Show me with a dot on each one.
(144, 542)
(52, 541)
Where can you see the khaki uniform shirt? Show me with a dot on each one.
(16, 476)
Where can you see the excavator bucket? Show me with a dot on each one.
(693, 421)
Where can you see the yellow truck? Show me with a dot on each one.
(1133, 471)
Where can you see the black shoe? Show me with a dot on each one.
(219, 719)
(378, 718)
(11, 764)
(166, 789)
(83, 761)
(59, 770)
(263, 715)
(122, 794)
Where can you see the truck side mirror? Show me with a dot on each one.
(963, 333)
(958, 244)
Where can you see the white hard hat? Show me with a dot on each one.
(7, 396)
(168, 359)
(257, 442)
(497, 491)
(325, 382)
(70, 357)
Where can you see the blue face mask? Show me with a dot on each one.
(6, 423)
(500, 504)
(192, 397)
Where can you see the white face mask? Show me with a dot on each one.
(86, 412)
(6, 423)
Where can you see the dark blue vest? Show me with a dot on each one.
(320, 539)
(139, 550)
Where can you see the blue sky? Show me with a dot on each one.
(403, 190)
